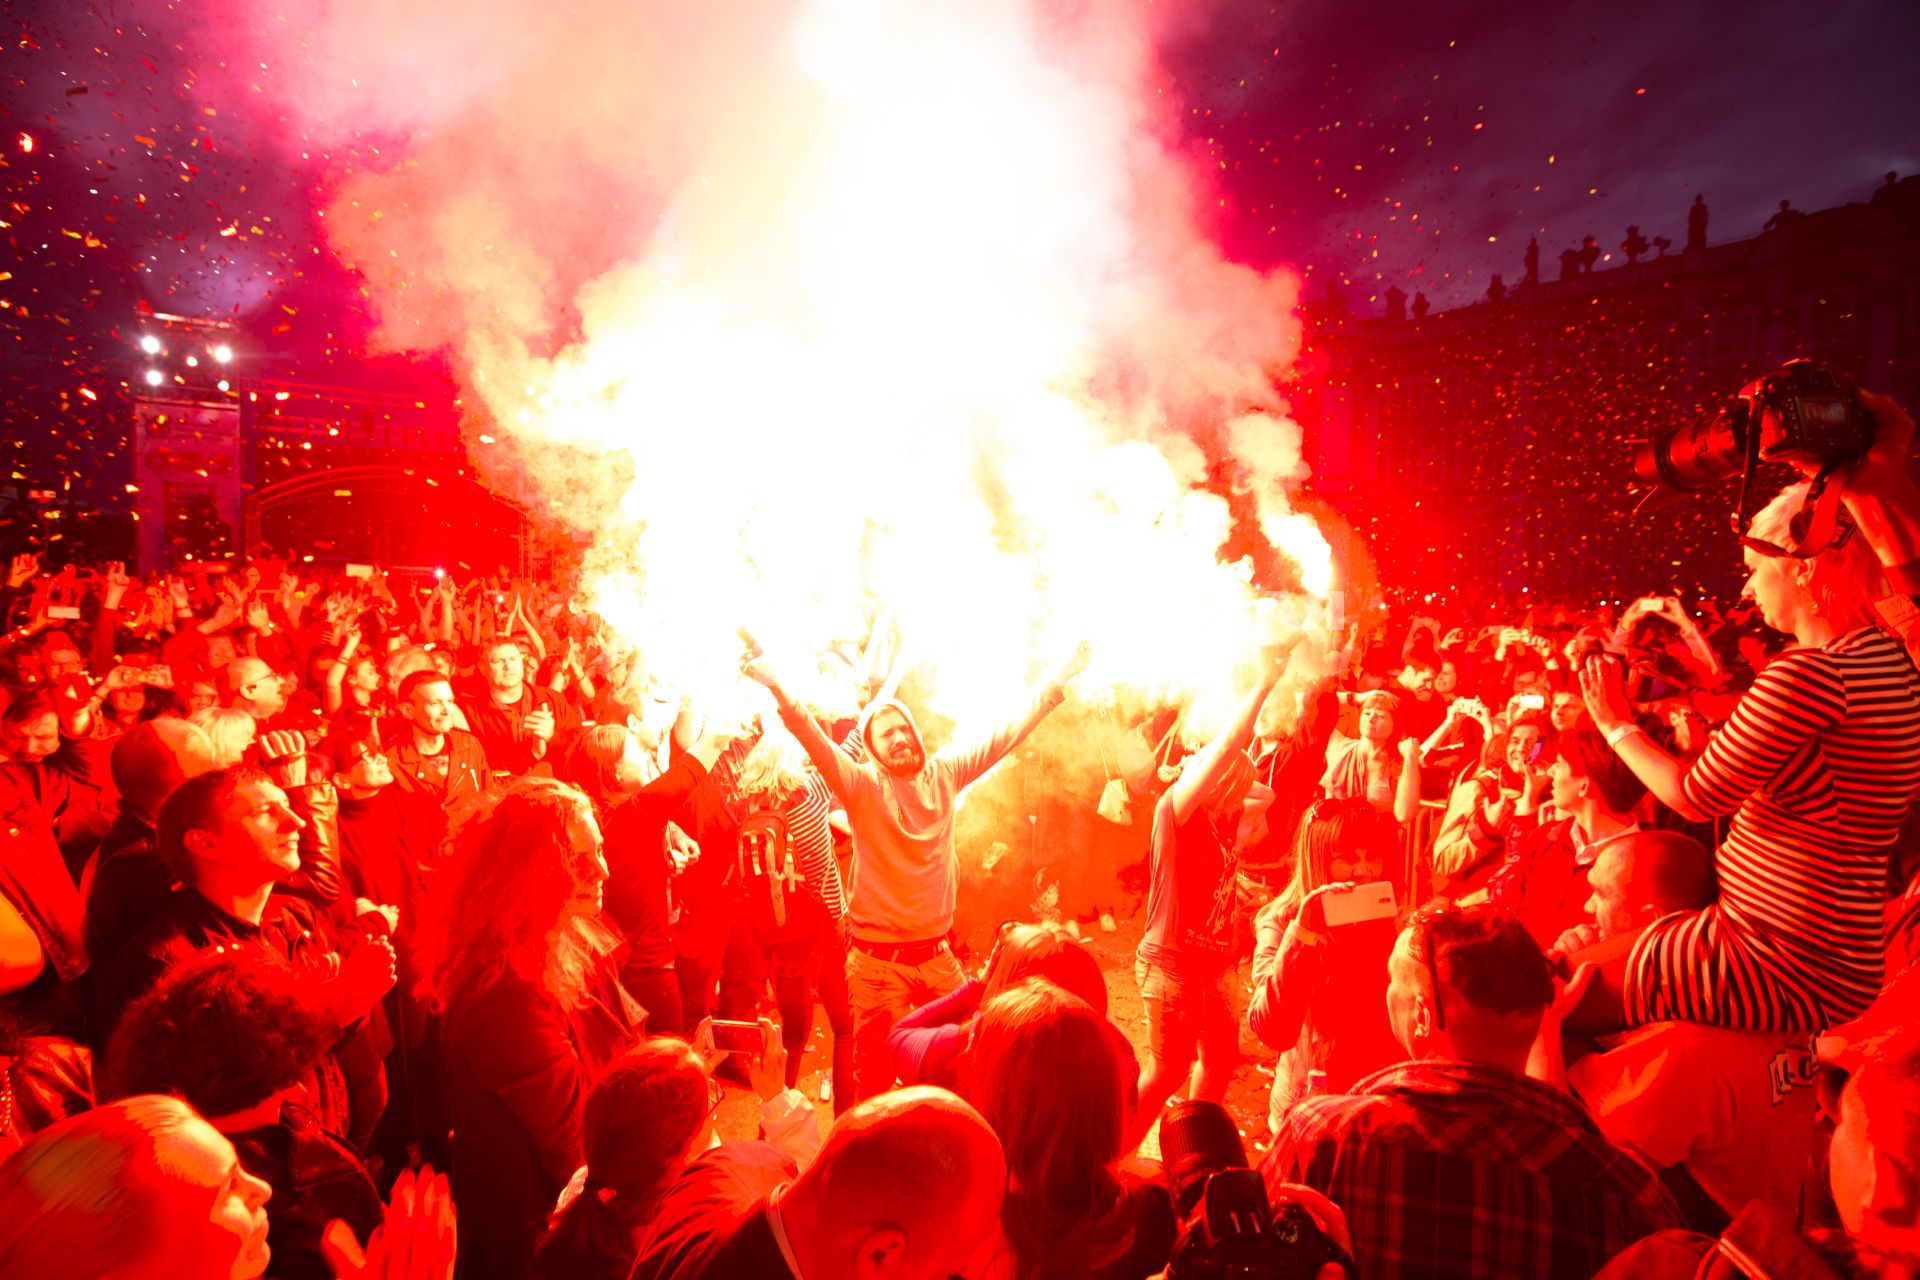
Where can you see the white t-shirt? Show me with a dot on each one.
(1735, 1107)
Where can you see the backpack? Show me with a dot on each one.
(766, 868)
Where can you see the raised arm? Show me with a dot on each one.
(834, 766)
(969, 763)
(1882, 497)
(1197, 780)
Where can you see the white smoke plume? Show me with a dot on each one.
(803, 312)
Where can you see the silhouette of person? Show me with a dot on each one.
(1396, 303)
(1660, 245)
(1569, 263)
(1421, 306)
(1634, 245)
(1697, 224)
(1787, 214)
(1497, 291)
(1533, 261)
(1589, 253)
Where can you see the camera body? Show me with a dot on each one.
(1227, 1228)
(1802, 412)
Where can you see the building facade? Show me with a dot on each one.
(1488, 448)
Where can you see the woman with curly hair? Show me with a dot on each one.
(1047, 1074)
(241, 1041)
(511, 952)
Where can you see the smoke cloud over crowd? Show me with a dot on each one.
(805, 312)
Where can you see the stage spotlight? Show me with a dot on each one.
(223, 353)
(150, 345)
(153, 378)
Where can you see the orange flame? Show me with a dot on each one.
(924, 324)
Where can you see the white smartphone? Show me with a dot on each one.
(360, 571)
(1362, 902)
(63, 613)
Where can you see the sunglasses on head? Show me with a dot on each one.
(1423, 923)
(1842, 531)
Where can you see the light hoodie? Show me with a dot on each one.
(905, 868)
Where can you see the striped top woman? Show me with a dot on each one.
(1817, 766)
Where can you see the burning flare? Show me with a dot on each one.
(800, 314)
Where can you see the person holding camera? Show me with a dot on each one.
(1818, 766)
(1509, 784)
(1454, 1163)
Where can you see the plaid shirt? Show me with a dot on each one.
(1452, 1169)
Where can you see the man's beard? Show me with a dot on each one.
(915, 761)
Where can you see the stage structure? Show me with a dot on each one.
(230, 464)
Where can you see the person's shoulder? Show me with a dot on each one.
(1333, 1116)
(1278, 914)
(755, 1168)
(508, 1000)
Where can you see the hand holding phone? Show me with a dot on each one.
(1356, 903)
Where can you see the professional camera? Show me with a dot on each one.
(1227, 1229)
(1802, 412)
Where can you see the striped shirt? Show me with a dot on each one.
(1818, 766)
(807, 812)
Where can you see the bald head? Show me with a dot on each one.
(907, 1185)
(151, 759)
(256, 689)
(1646, 875)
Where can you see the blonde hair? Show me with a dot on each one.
(81, 1199)
(1842, 582)
(775, 767)
(229, 729)
(595, 760)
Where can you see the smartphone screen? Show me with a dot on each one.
(1362, 902)
(737, 1037)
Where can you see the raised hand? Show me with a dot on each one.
(367, 973)
(417, 1239)
(24, 568)
(115, 583)
(284, 752)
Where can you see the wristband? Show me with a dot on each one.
(1621, 732)
(1307, 937)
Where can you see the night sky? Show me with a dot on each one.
(1440, 136)
(1416, 144)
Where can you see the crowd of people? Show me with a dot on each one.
(1582, 937)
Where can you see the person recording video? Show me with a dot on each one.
(1817, 766)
